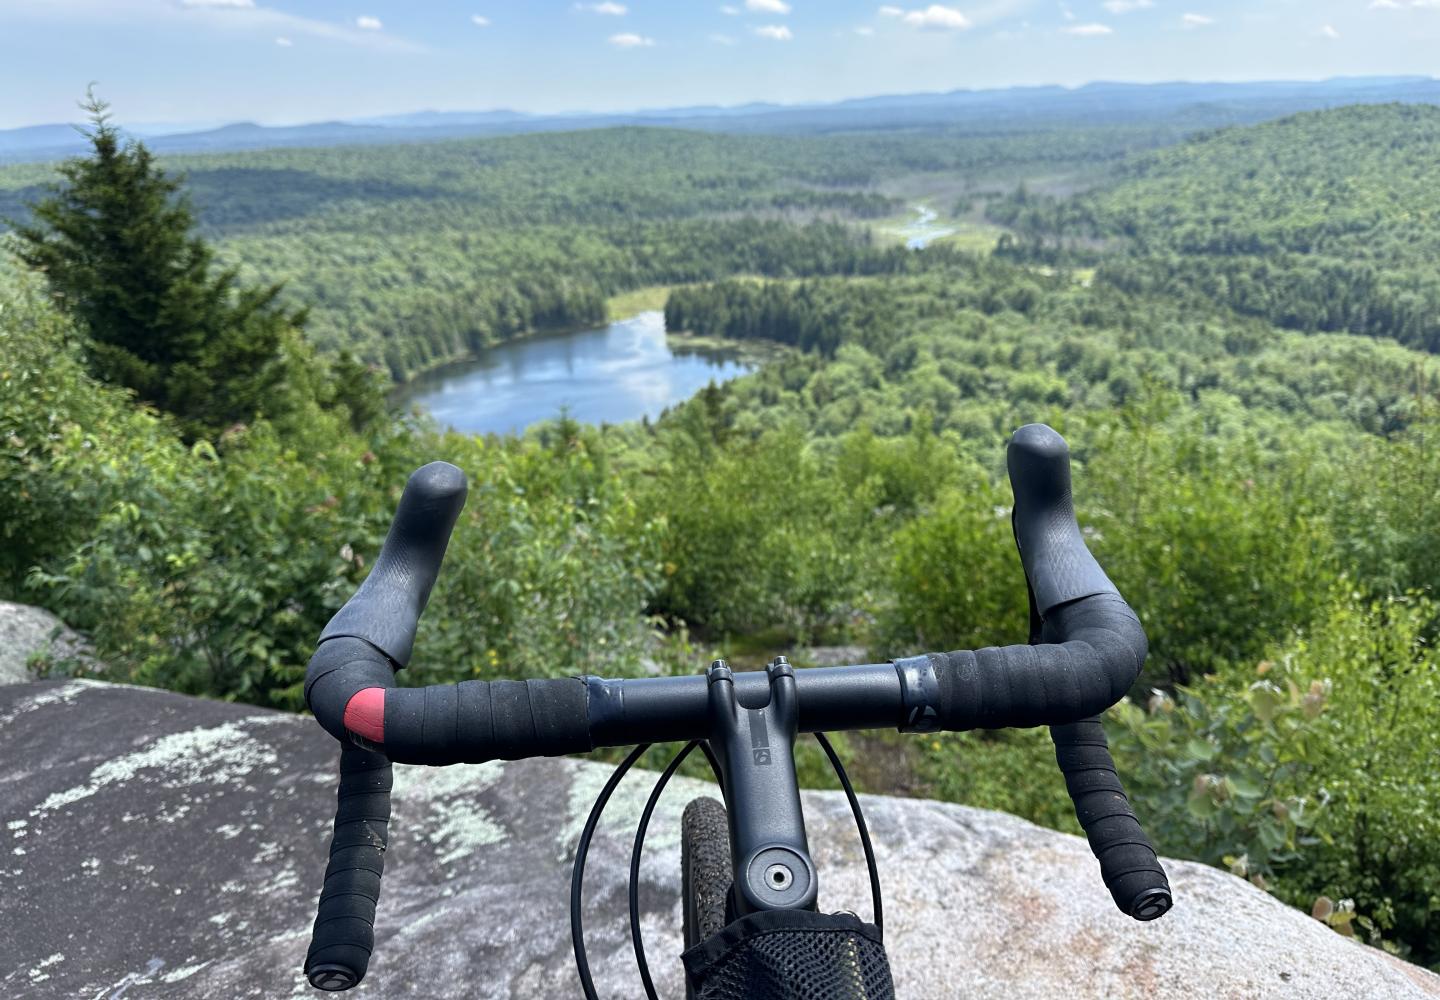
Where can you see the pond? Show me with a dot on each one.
(619, 372)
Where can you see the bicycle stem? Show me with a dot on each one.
(755, 745)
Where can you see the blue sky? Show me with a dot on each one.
(285, 61)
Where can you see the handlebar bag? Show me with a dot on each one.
(791, 955)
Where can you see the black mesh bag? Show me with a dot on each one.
(791, 955)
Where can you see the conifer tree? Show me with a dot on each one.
(115, 240)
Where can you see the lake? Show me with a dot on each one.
(620, 372)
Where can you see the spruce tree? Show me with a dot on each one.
(116, 241)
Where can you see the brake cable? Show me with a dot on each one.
(636, 940)
(860, 824)
(577, 877)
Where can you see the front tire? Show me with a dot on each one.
(705, 872)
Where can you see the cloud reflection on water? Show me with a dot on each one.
(613, 374)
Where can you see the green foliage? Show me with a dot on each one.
(549, 569)
(212, 571)
(758, 534)
(984, 346)
(1324, 221)
(114, 242)
(1314, 775)
(1222, 545)
(1388, 503)
(1012, 770)
(54, 415)
(952, 577)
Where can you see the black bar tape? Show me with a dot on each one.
(1128, 863)
(1096, 650)
(465, 723)
(344, 932)
(477, 721)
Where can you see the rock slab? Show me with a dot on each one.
(25, 631)
(156, 846)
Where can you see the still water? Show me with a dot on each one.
(619, 372)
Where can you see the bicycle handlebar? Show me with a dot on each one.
(1087, 649)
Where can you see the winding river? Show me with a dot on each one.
(923, 231)
(619, 372)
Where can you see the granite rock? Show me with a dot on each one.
(155, 846)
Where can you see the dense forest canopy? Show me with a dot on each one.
(1259, 481)
(1322, 221)
(415, 255)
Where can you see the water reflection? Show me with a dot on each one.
(620, 372)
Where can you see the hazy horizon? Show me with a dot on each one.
(78, 116)
(198, 63)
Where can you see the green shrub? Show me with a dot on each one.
(1012, 770)
(1314, 775)
(955, 577)
(45, 396)
(211, 569)
(759, 534)
(549, 569)
(1221, 543)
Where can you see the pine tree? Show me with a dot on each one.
(115, 240)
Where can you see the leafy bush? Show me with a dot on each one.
(759, 534)
(45, 396)
(955, 577)
(1314, 775)
(1222, 544)
(211, 569)
(549, 569)
(1012, 770)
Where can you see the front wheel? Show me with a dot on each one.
(704, 868)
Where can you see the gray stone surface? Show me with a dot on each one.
(25, 630)
(153, 845)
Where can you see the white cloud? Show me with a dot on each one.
(722, 39)
(937, 17)
(774, 32)
(612, 9)
(730, 9)
(1126, 6)
(1328, 30)
(480, 20)
(865, 29)
(889, 11)
(1196, 20)
(368, 23)
(1089, 30)
(630, 40)
(247, 18)
(284, 42)
(1385, 5)
(768, 6)
(246, 15)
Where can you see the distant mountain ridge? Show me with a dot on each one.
(1189, 105)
